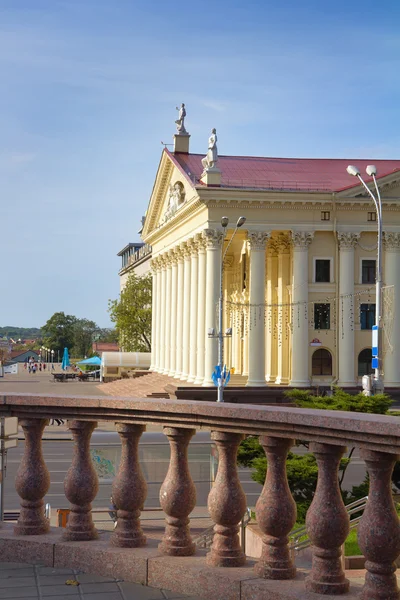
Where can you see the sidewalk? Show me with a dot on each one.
(32, 582)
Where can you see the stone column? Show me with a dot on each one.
(163, 313)
(186, 310)
(201, 312)
(194, 297)
(168, 310)
(257, 243)
(129, 489)
(300, 368)
(282, 377)
(327, 524)
(81, 484)
(391, 360)
(32, 481)
(179, 313)
(174, 315)
(246, 330)
(276, 513)
(158, 317)
(226, 504)
(214, 242)
(178, 495)
(379, 529)
(269, 326)
(345, 313)
(153, 313)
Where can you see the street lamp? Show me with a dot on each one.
(228, 333)
(52, 356)
(376, 330)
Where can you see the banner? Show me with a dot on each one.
(11, 369)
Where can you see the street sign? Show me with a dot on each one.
(375, 363)
(10, 443)
(9, 426)
(375, 333)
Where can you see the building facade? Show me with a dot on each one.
(135, 258)
(299, 276)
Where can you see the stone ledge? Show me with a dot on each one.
(189, 575)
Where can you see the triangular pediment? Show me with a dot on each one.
(389, 187)
(172, 189)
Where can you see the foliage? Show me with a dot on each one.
(58, 332)
(23, 333)
(83, 331)
(132, 314)
(107, 335)
(302, 470)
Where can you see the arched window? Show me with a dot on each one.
(322, 362)
(365, 362)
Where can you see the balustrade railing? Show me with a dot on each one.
(327, 522)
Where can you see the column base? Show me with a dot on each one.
(256, 383)
(300, 384)
(207, 384)
(183, 377)
(171, 374)
(177, 375)
(198, 381)
(190, 379)
(281, 381)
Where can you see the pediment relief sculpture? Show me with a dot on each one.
(176, 198)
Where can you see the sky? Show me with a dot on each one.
(88, 93)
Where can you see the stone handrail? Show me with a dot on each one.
(327, 521)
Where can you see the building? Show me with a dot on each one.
(299, 277)
(100, 347)
(135, 258)
(18, 356)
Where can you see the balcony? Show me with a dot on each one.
(172, 560)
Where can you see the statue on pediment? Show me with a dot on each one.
(211, 159)
(176, 199)
(180, 122)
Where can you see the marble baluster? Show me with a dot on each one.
(379, 529)
(226, 504)
(276, 513)
(129, 489)
(327, 524)
(178, 495)
(81, 484)
(32, 481)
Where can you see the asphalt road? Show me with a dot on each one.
(154, 459)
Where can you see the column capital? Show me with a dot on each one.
(258, 239)
(391, 241)
(301, 239)
(213, 238)
(200, 242)
(347, 240)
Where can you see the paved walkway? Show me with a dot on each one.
(30, 582)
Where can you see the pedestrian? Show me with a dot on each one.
(40, 367)
(52, 367)
(29, 368)
(44, 366)
(34, 368)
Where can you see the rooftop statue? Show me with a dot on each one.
(180, 122)
(210, 161)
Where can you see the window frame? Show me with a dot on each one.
(331, 278)
(322, 374)
(328, 319)
(371, 370)
(367, 313)
(362, 259)
(373, 217)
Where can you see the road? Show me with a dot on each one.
(154, 459)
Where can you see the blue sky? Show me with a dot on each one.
(89, 89)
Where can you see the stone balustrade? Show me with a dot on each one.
(223, 572)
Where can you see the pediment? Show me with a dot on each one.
(171, 191)
(389, 188)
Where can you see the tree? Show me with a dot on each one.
(302, 470)
(58, 332)
(84, 330)
(132, 314)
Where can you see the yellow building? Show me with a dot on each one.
(299, 276)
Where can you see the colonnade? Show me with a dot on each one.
(268, 346)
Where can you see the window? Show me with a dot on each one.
(371, 216)
(368, 271)
(322, 270)
(322, 316)
(365, 362)
(322, 362)
(367, 316)
(325, 215)
(244, 274)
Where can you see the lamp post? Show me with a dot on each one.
(376, 331)
(52, 356)
(220, 335)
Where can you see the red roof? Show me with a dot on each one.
(308, 174)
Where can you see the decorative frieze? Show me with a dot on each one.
(258, 239)
(302, 239)
(347, 239)
(213, 237)
(391, 241)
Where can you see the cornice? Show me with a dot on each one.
(188, 210)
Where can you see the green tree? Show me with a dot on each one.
(302, 470)
(84, 331)
(58, 332)
(131, 314)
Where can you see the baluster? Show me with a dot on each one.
(178, 495)
(32, 481)
(81, 484)
(129, 489)
(327, 524)
(276, 513)
(226, 504)
(379, 529)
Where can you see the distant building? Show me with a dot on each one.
(135, 258)
(16, 356)
(101, 347)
